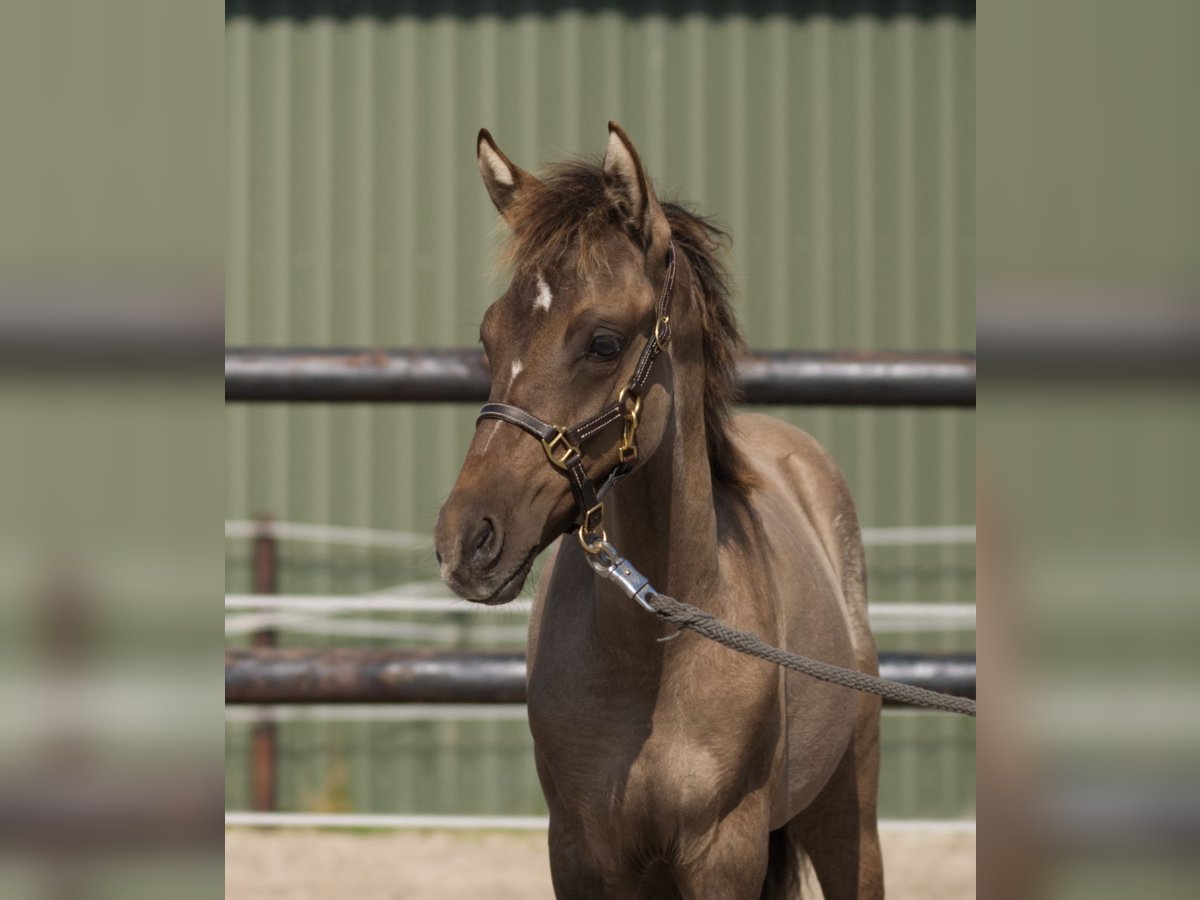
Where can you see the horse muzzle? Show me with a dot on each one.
(480, 558)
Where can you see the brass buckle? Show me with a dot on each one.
(628, 450)
(591, 535)
(560, 451)
(661, 336)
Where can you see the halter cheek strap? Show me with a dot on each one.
(562, 445)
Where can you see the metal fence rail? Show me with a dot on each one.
(437, 676)
(459, 376)
(505, 823)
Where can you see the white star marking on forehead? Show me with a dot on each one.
(544, 297)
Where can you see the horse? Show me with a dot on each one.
(671, 766)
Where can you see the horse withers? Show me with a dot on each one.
(671, 766)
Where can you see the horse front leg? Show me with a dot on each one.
(730, 860)
(573, 871)
(579, 871)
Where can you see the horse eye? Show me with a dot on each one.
(605, 346)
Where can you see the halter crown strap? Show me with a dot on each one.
(562, 445)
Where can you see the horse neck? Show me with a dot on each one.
(662, 516)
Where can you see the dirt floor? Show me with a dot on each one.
(297, 865)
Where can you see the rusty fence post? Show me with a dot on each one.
(263, 750)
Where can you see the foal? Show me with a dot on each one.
(672, 767)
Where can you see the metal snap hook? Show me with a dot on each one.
(628, 450)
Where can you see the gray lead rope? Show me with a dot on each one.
(606, 561)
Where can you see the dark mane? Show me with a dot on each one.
(562, 222)
(700, 241)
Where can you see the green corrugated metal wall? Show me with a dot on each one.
(837, 143)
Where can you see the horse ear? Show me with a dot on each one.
(503, 179)
(631, 192)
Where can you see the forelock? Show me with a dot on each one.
(565, 222)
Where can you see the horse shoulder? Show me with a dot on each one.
(791, 464)
(809, 518)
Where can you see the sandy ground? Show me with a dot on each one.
(298, 865)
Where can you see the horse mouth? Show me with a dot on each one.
(511, 586)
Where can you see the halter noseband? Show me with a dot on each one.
(562, 445)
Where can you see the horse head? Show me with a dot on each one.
(592, 260)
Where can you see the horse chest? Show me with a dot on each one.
(655, 758)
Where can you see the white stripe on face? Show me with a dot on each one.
(516, 370)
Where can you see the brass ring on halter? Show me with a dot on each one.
(661, 334)
(591, 534)
(622, 399)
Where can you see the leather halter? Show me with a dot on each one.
(562, 445)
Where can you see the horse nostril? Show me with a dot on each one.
(484, 535)
(437, 555)
(485, 549)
